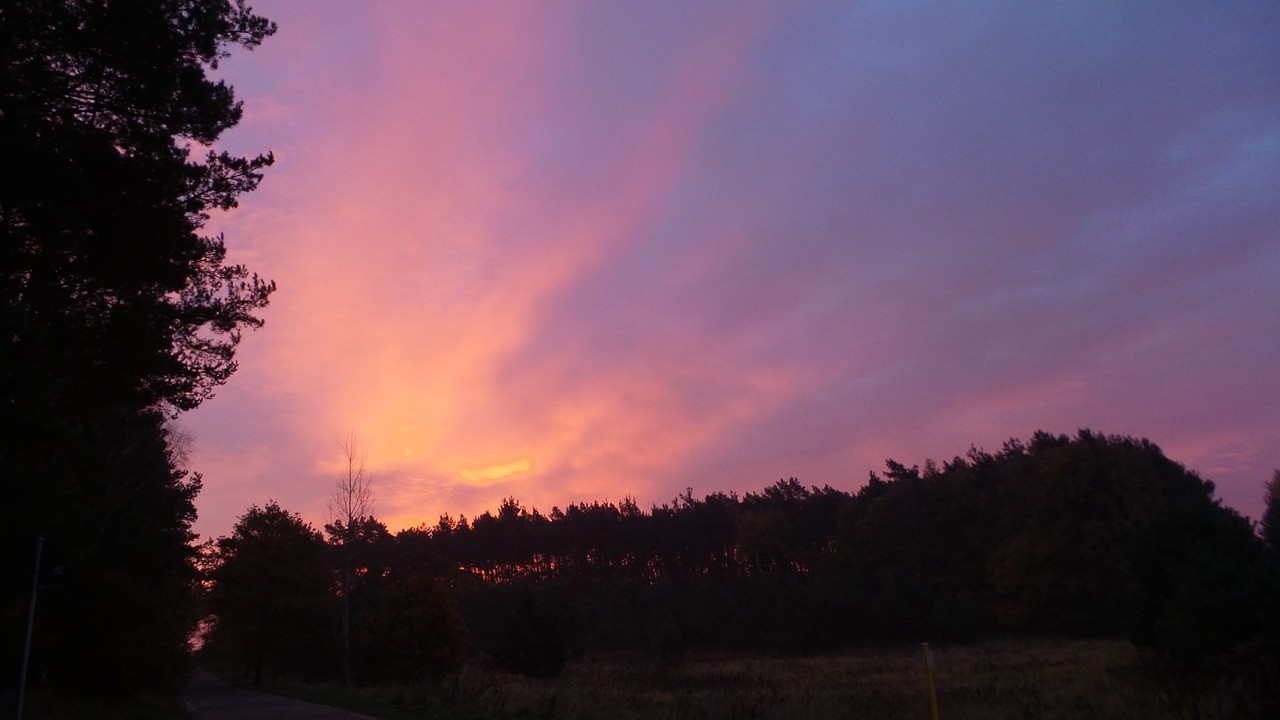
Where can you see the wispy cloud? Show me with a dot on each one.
(567, 252)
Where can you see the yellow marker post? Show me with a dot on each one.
(928, 674)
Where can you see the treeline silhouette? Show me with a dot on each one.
(1088, 535)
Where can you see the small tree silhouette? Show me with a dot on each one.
(350, 506)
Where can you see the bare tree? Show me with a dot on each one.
(350, 506)
(352, 496)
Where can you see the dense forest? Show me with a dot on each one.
(1089, 535)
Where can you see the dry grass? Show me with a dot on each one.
(1014, 679)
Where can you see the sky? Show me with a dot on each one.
(568, 252)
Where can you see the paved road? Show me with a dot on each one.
(208, 698)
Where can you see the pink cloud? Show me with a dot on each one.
(570, 252)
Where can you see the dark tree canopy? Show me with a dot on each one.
(269, 595)
(117, 608)
(1270, 525)
(109, 287)
(117, 310)
(1090, 535)
(284, 602)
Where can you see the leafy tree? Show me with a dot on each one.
(1271, 516)
(115, 311)
(117, 612)
(534, 630)
(270, 593)
(1202, 586)
(1059, 534)
(1206, 613)
(109, 287)
(361, 556)
(1067, 566)
(415, 630)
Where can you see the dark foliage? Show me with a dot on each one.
(359, 552)
(115, 606)
(1086, 535)
(270, 595)
(1208, 610)
(531, 630)
(275, 603)
(110, 292)
(1056, 535)
(412, 630)
(1271, 516)
(115, 312)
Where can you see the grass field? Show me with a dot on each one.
(1049, 679)
(1041, 679)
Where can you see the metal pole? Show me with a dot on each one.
(928, 672)
(31, 621)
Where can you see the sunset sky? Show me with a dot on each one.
(578, 251)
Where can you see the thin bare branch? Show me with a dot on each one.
(352, 496)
